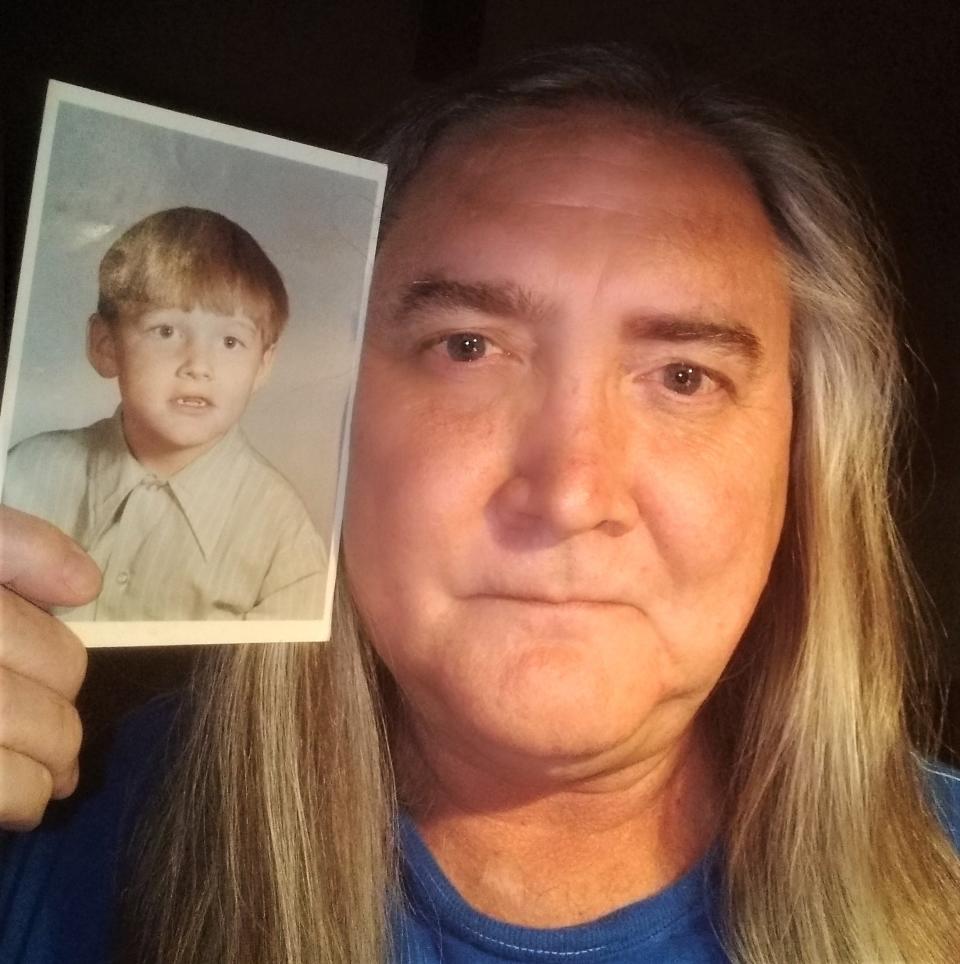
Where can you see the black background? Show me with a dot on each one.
(878, 79)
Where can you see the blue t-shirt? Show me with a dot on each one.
(59, 885)
(438, 925)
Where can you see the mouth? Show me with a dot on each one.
(192, 402)
(558, 602)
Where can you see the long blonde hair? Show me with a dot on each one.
(274, 840)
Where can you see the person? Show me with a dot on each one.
(184, 518)
(619, 662)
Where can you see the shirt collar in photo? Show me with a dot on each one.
(205, 489)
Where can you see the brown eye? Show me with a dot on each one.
(683, 379)
(466, 346)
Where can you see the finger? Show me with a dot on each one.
(66, 782)
(40, 724)
(37, 645)
(40, 562)
(25, 788)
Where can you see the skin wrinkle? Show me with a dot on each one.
(634, 144)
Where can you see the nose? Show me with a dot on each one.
(572, 469)
(196, 362)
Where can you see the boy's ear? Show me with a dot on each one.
(266, 364)
(102, 347)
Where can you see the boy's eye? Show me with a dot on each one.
(231, 341)
(164, 331)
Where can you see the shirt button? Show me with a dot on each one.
(123, 578)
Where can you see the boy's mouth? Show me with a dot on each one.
(193, 401)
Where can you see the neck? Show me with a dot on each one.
(562, 851)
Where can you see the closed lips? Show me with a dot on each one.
(554, 600)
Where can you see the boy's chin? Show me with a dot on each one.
(170, 451)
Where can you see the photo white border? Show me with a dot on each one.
(194, 632)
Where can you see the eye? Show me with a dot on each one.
(685, 379)
(466, 346)
(164, 331)
(451, 351)
(231, 341)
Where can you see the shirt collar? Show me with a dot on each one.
(205, 489)
(114, 473)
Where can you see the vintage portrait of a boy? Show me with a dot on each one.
(194, 525)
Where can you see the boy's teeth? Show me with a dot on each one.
(192, 402)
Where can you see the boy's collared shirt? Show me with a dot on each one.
(226, 537)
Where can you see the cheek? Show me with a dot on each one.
(418, 469)
(139, 373)
(714, 514)
(716, 518)
(238, 378)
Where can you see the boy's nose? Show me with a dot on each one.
(196, 364)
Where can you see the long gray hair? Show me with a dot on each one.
(831, 852)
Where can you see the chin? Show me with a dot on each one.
(190, 440)
(557, 703)
(563, 746)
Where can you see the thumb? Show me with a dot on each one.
(41, 563)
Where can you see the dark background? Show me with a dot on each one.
(879, 80)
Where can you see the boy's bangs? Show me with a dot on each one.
(187, 258)
(219, 294)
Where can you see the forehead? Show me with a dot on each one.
(582, 158)
(195, 317)
(564, 188)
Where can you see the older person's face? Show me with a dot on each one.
(571, 438)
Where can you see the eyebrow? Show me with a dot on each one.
(245, 322)
(728, 336)
(504, 299)
(511, 301)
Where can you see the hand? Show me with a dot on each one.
(42, 665)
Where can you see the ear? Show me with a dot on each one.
(266, 364)
(102, 347)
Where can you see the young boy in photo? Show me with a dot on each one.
(185, 519)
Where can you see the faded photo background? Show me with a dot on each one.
(107, 172)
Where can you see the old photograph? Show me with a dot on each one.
(184, 350)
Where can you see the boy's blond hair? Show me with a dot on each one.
(187, 258)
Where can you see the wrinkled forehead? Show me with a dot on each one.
(491, 200)
(581, 158)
